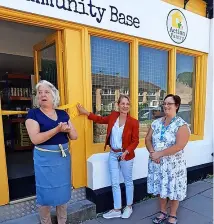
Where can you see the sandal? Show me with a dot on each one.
(174, 217)
(160, 220)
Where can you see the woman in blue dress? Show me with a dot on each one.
(50, 130)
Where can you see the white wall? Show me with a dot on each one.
(151, 13)
(211, 71)
(196, 153)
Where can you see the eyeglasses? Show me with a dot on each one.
(168, 104)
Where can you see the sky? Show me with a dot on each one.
(111, 57)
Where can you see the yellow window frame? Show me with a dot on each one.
(199, 90)
(200, 82)
(91, 147)
(55, 38)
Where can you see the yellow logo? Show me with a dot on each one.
(177, 26)
(177, 20)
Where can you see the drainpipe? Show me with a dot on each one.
(185, 3)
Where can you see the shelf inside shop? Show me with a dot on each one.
(18, 120)
(20, 148)
(20, 98)
(18, 76)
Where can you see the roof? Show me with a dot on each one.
(114, 81)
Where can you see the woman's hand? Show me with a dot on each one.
(156, 155)
(156, 160)
(64, 127)
(124, 155)
(38, 137)
(82, 110)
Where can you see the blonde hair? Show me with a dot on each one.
(122, 97)
(54, 92)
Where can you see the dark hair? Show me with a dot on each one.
(123, 96)
(176, 99)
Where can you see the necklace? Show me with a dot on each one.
(164, 128)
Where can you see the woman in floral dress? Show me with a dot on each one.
(167, 175)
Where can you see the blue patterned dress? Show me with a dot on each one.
(169, 178)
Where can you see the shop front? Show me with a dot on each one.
(93, 51)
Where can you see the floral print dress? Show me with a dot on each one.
(168, 178)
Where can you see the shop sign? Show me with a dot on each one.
(177, 26)
(87, 8)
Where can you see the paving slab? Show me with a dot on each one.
(77, 212)
(94, 221)
(199, 204)
(144, 221)
(117, 221)
(208, 193)
(140, 211)
(197, 187)
(186, 216)
(209, 180)
(33, 219)
(197, 208)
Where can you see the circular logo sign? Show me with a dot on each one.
(177, 26)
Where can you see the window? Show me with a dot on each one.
(153, 75)
(162, 69)
(185, 85)
(110, 78)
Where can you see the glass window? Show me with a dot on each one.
(110, 77)
(185, 81)
(152, 86)
(48, 70)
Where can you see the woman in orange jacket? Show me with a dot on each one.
(123, 138)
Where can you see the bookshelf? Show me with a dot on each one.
(16, 95)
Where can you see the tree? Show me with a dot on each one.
(185, 78)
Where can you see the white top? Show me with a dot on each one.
(116, 135)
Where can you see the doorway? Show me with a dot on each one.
(27, 54)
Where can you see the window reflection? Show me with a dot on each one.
(185, 79)
(110, 78)
(153, 70)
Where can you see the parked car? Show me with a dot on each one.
(149, 113)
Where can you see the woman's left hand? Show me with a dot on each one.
(156, 155)
(124, 155)
(65, 127)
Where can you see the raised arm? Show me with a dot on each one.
(98, 119)
(91, 116)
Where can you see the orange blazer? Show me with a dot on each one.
(130, 137)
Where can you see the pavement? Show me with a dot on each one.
(197, 208)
